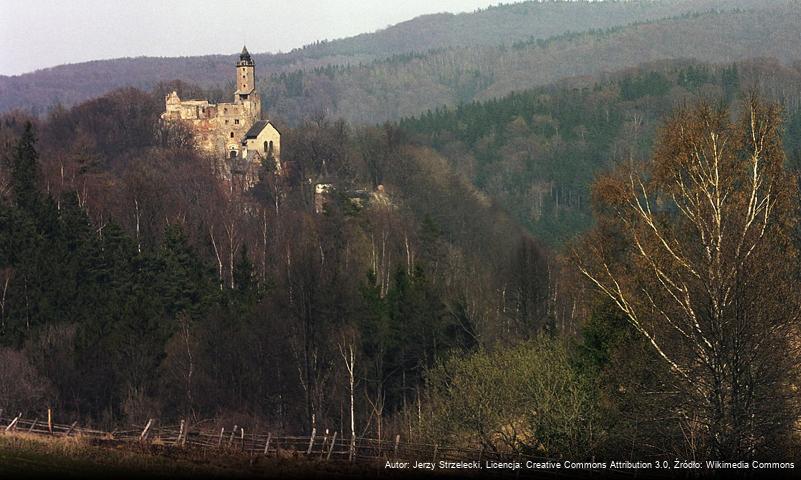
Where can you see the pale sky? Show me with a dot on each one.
(36, 34)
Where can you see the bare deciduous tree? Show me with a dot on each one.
(695, 250)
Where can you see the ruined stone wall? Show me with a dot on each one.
(232, 122)
(218, 128)
(246, 79)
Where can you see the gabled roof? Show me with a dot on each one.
(256, 129)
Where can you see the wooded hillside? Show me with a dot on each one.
(536, 152)
(135, 283)
(407, 85)
(432, 61)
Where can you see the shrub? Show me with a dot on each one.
(527, 398)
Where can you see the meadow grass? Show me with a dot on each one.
(33, 456)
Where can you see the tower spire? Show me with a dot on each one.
(245, 55)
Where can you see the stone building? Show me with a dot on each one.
(234, 131)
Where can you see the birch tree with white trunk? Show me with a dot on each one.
(695, 250)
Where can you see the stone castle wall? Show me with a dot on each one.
(233, 133)
(218, 128)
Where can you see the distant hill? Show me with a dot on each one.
(409, 84)
(511, 23)
(536, 152)
(501, 25)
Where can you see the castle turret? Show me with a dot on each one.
(246, 75)
(246, 94)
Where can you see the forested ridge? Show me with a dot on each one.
(521, 21)
(379, 91)
(537, 151)
(447, 59)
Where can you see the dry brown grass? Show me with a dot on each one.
(26, 455)
(22, 454)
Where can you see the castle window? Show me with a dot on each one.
(225, 110)
(271, 147)
(226, 121)
(236, 121)
(232, 134)
(233, 153)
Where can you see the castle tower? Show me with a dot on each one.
(246, 85)
(246, 76)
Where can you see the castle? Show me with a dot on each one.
(235, 130)
(241, 141)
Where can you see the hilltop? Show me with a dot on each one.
(410, 84)
(489, 29)
(506, 24)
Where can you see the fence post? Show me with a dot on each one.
(267, 444)
(242, 437)
(331, 447)
(436, 447)
(13, 422)
(180, 433)
(311, 441)
(233, 432)
(352, 449)
(397, 441)
(50, 420)
(142, 437)
(219, 442)
(325, 440)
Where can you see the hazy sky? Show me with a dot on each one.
(42, 33)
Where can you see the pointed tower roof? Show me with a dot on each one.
(245, 55)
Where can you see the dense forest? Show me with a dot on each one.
(447, 59)
(133, 280)
(537, 151)
(137, 284)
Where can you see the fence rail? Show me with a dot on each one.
(325, 446)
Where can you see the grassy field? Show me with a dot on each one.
(30, 456)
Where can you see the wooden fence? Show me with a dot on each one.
(323, 446)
